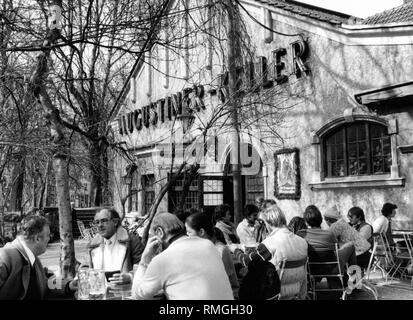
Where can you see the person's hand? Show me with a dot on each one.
(120, 278)
(73, 284)
(152, 247)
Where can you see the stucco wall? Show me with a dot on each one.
(337, 72)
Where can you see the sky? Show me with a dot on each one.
(357, 8)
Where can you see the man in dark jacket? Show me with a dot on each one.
(114, 249)
(22, 276)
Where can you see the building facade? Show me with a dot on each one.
(340, 93)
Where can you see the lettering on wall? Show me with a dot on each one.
(162, 110)
(253, 76)
(261, 74)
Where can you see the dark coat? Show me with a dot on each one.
(15, 273)
(133, 248)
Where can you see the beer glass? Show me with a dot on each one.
(83, 284)
(97, 284)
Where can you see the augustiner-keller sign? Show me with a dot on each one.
(253, 76)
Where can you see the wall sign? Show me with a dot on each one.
(162, 110)
(252, 77)
(264, 72)
(287, 182)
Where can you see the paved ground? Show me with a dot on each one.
(50, 258)
(387, 290)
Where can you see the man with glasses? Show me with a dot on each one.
(114, 250)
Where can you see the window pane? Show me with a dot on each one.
(338, 168)
(362, 149)
(353, 167)
(352, 133)
(176, 193)
(352, 150)
(363, 166)
(377, 131)
(378, 165)
(387, 164)
(376, 148)
(361, 131)
(340, 152)
(213, 199)
(340, 136)
(386, 147)
(213, 185)
(333, 153)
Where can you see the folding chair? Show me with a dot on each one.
(93, 229)
(364, 282)
(292, 283)
(84, 232)
(402, 259)
(325, 264)
(382, 257)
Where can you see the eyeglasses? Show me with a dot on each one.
(104, 220)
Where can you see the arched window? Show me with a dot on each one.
(355, 149)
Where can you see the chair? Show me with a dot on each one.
(85, 233)
(362, 281)
(93, 229)
(402, 259)
(381, 257)
(325, 264)
(292, 282)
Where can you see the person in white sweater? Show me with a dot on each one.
(188, 268)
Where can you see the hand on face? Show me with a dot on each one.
(152, 248)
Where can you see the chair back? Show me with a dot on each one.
(84, 232)
(325, 264)
(294, 280)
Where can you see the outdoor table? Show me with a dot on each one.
(398, 235)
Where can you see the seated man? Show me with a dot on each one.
(251, 230)
(346, 234)
(320, 240)
(22, 276)
(187, 268)
(114, 249)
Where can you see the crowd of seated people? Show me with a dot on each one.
(196, 255)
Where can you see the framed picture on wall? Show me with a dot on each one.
(287, 174)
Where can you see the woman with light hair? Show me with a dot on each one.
(282, 246)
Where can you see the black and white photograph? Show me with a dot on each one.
(223, 152)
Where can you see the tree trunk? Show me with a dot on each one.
(106, 193)
(38, 89)
(232, 64)
(67, 253)
(16, 195)
(95, 168)
(45, 182)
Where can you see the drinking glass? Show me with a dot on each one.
(83, 284)
(97, 284)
